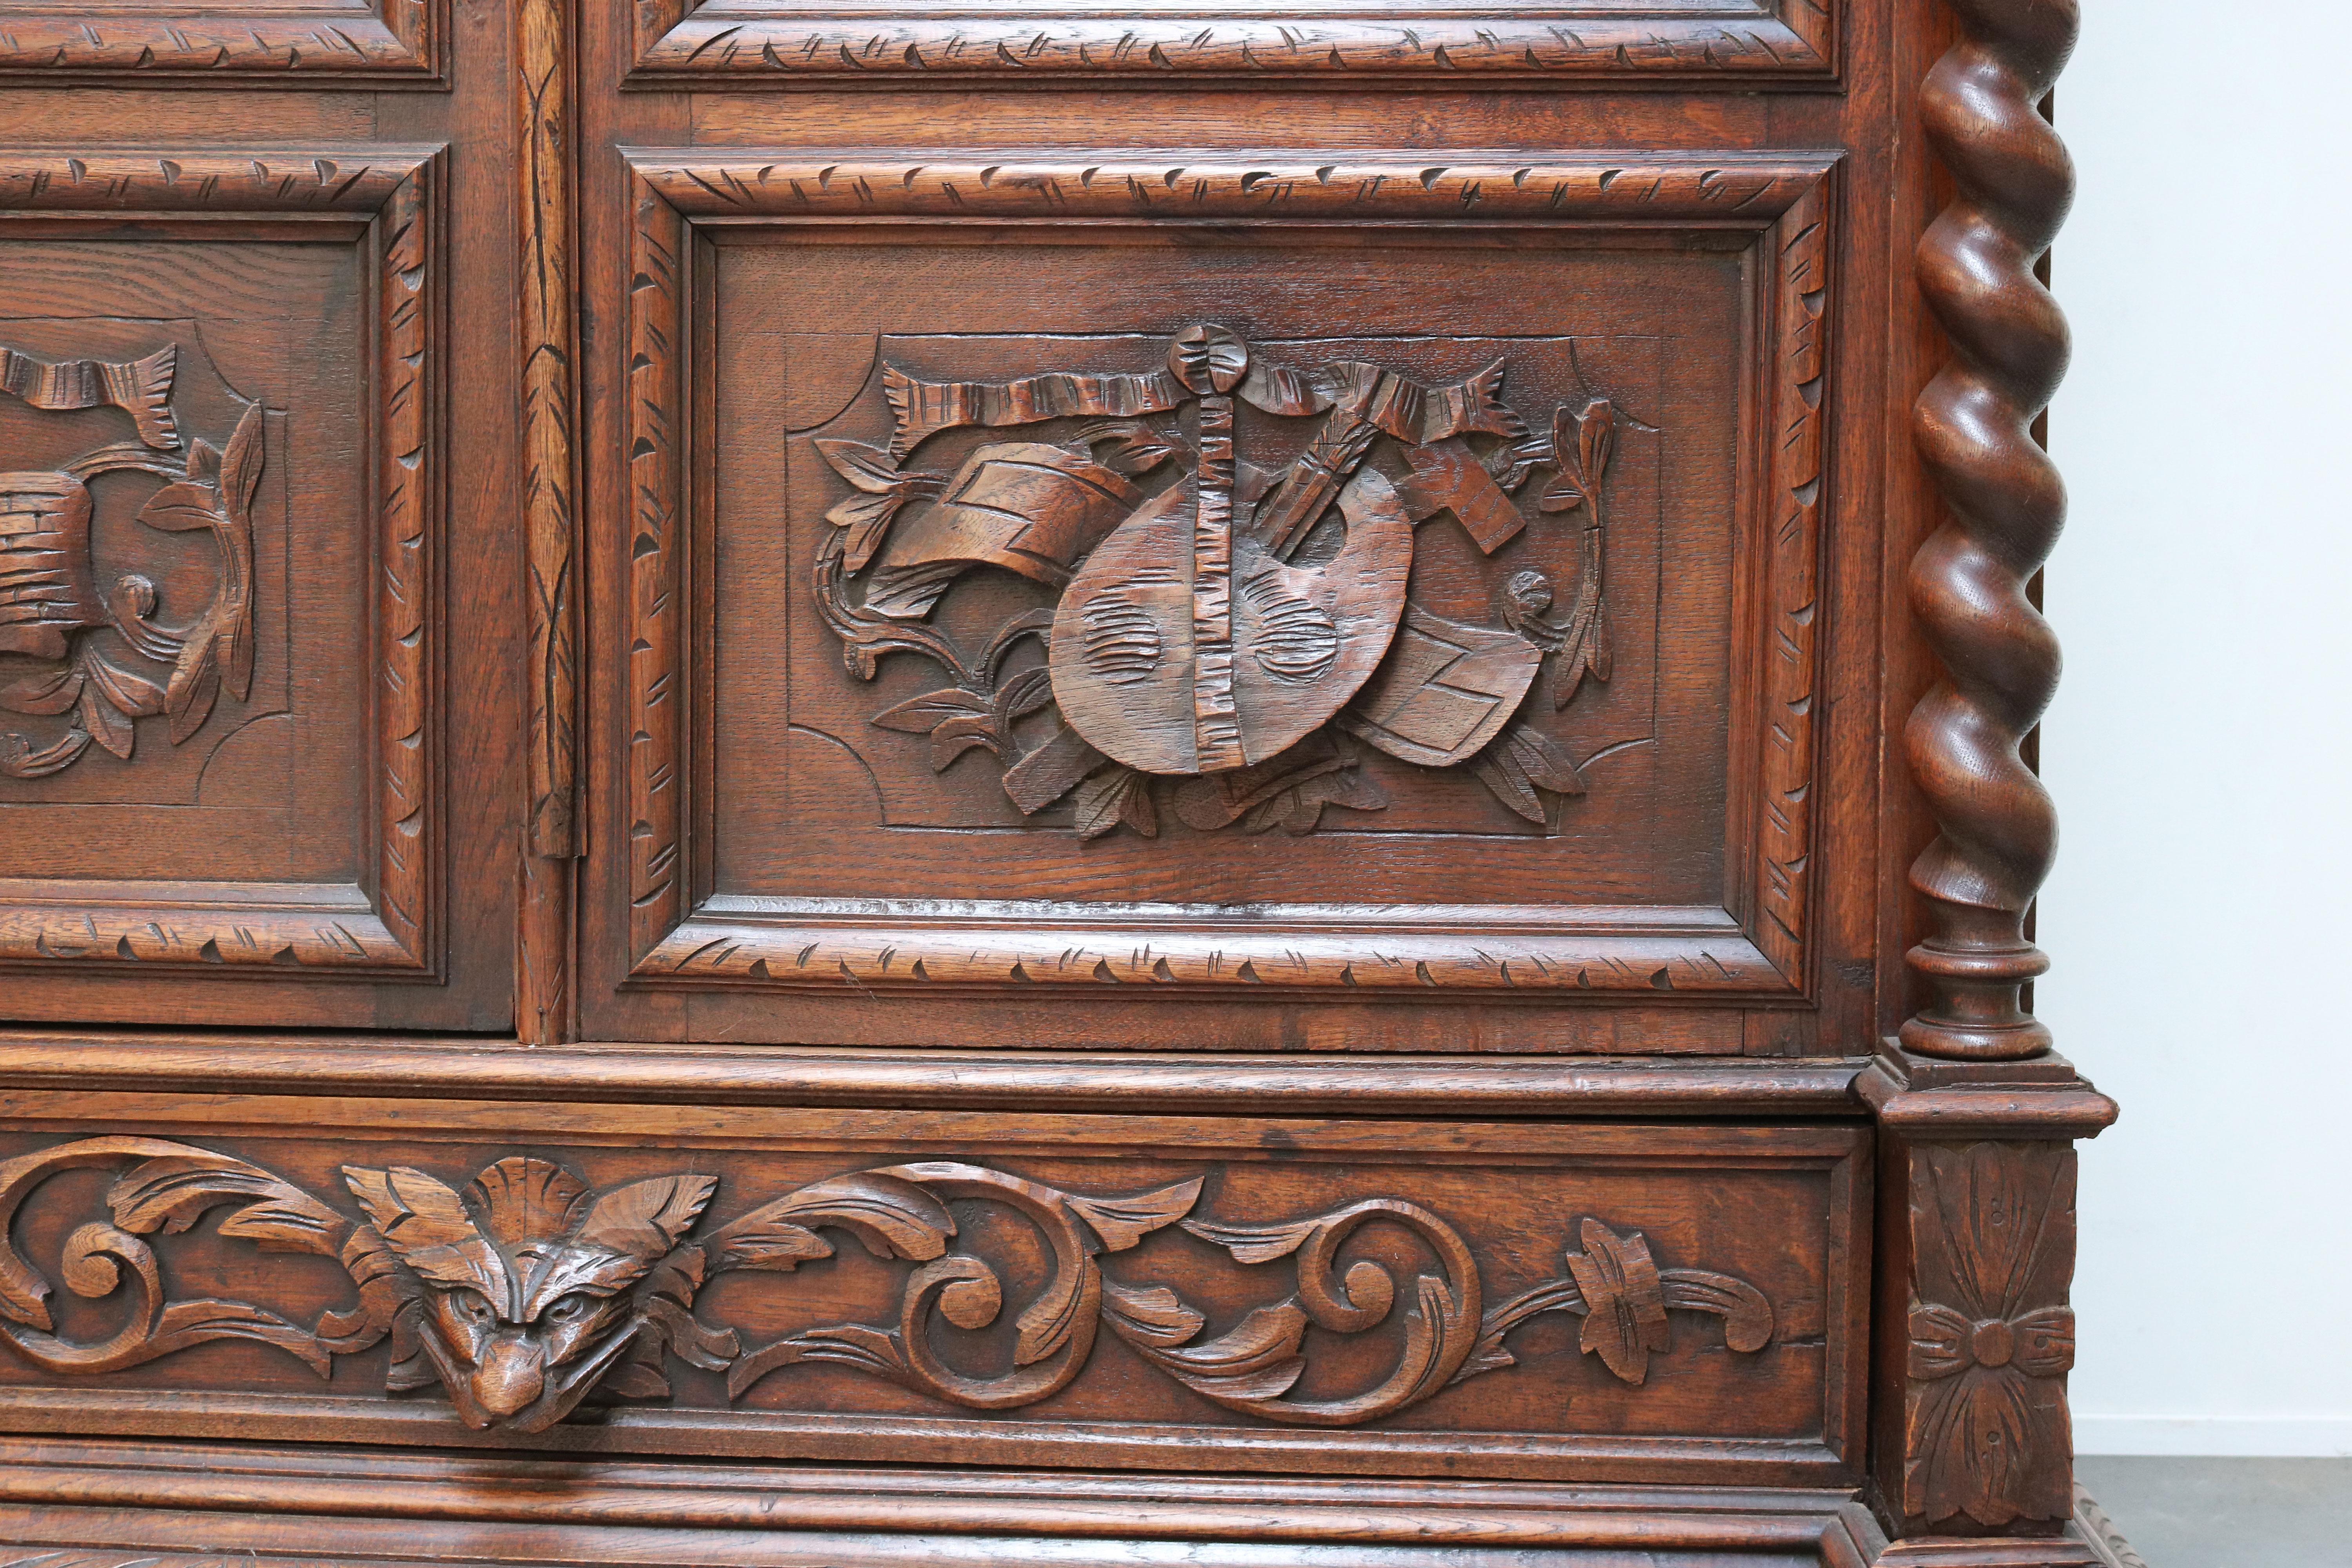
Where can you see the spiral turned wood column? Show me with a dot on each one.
(1973, 427)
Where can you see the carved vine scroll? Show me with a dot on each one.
(528, 1291)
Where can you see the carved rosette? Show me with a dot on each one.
(1969, 582)
(1987, 1437)
(527, 1291)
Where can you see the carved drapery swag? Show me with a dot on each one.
(1197, 638)
(528, 1291)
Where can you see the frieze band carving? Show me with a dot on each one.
(171, 662)
(1193, 639)
(529, 1291)
(391, 41)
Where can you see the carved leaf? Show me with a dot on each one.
(893, 1218)
(1625, 1316)
(1596, 439)
(1154, 1316)
(867, 521)
(195, 684)
(106, 723)
(956, 736)
(240, 469)
(171, 1193)
(1124, 1221)
(1255, 1243)
(1026, 692)
(182, 506)
(43, 692)
(1128, 447)
(128, 693)
(922, 715)
(1939, 1343)
(427, 1228)
(870, 468)
(1257, 1360)
(185, 1323)
(1115, 795)
(522, 1198)
(19, 760)
(1056, 1316)
(646, 1219)
(847, 1344)
(2044, 1342)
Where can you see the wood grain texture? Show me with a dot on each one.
(1331, 45)
(1974, 428)
(385, 925)
(387, 42)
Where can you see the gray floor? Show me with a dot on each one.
(2228, 1513)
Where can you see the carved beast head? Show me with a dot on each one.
(526, 1288)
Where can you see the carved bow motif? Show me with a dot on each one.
(1992, 1336)
(52, 606)
(528, 1291)
(1196, 637)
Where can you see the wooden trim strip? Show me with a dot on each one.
(398, 45)
(434, 1067)
(1331, 45)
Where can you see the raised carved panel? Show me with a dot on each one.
(1680, 1291)
(1988, 1441)
(223, 577)
(1335, 42)
(1151, 586)
(187, 42)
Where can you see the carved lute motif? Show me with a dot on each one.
(1200, 633)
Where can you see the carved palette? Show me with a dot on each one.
(787, 1292)
(1047, 610)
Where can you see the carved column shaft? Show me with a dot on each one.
(1974, 430)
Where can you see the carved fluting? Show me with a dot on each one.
(1325, 47)
(529, 1291)
(1973, 427)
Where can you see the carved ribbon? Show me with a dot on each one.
(141, 388)
(1389, 402)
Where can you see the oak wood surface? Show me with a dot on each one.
(1143, 766)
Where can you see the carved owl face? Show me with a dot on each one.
(526, 1288)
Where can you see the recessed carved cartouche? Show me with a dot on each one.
(96, 649)
(1224, 632)
(529, 1291)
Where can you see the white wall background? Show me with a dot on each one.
(2200, 917)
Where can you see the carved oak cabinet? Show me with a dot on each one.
(868, 782)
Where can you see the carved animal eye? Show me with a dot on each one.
(472, 1307)
(571, 1308)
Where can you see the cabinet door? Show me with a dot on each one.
(258, 598)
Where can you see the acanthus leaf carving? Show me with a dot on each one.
(527, 1290)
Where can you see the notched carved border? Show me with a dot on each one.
(396, 42)
(393, 190)
(1784, 199)
(1333, 45)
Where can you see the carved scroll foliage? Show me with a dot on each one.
(2005, 504)
(52, 606)
(528, 1291)
(1987, 1433)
